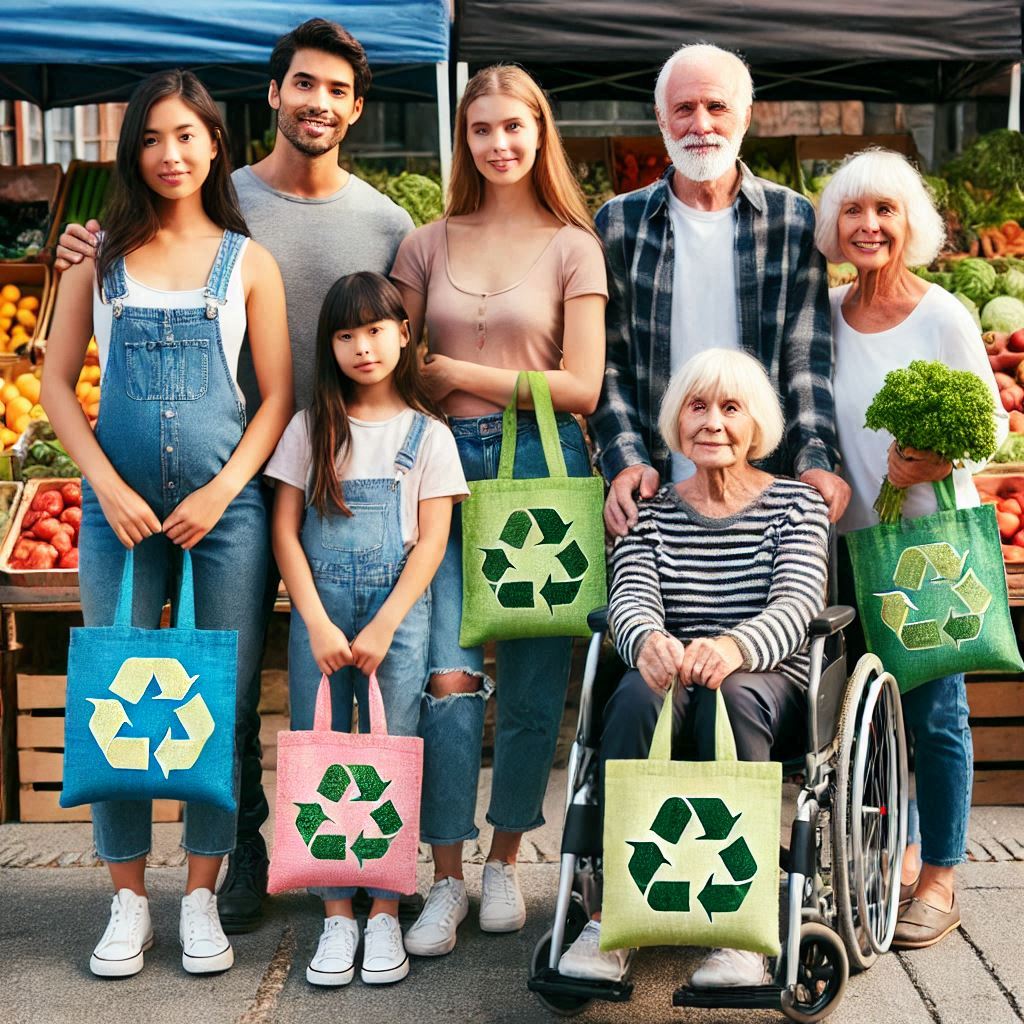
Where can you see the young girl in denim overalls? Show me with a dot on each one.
(365, 483)
(171, 464)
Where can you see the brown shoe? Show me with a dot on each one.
(907, 891)
(921, 925)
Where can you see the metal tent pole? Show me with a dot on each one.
(444, 123)
(1013, 120)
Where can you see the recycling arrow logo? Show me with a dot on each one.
(130, 684)
(717, 896)
(333, 786)
(955, 601)
(516, 570)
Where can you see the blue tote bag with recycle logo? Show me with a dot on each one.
(151, 712)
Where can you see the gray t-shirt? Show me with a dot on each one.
(315, 241)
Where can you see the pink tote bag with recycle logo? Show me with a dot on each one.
(348, 804)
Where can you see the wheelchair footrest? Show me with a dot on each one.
(550, 983)
(733, 997)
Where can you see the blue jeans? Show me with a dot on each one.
(532, 674)
(935, 714)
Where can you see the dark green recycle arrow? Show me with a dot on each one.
(333, 786)
(669, 825)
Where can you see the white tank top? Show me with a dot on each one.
(231, 315)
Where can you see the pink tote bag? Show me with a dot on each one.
(348, 804)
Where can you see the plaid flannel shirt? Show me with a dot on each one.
(785, 323)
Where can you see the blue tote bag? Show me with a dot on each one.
(151, 712)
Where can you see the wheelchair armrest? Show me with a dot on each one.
(831, 620)
(597, 620)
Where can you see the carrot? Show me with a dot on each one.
(987, 249)
(1011, 230)
(973, 248)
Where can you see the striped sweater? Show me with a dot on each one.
(757, 576)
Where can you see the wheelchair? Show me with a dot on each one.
(846, 843)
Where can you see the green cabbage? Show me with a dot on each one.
(1003, 313)
(1012, 283)
(969, 306)
(975, 278)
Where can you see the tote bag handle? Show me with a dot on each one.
(661, 744)
(185, 607)
(537, 385)
(322, 715)
(945, 493)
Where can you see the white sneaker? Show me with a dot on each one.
(501, 903)
(384, 957)
(334, 962)
(584, 958)
(204, 946)
(446, 908)
(129, 932)
(731, 967)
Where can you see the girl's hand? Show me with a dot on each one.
(913, 466)
(707, 662)
(127, 513)
(659, 660)
(329, 646)
(371, 645)
(197, 515)
(438, 373)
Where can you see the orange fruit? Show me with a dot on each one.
(28, 385)
(5, 323)
(22, 422)
(82, 389)
(10, 293)
(8, 392)
(26, 317)
(9, 309)
(37, 412)
(29, 302)
(16, 408)
(93, 410)
(92, 374)
(7, 437)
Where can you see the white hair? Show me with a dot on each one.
(695, 52)
(725, 373)
(881, 174)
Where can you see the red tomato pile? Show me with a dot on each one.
(49, 530)
(1006, 357)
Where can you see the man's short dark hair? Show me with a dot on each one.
(327, 37)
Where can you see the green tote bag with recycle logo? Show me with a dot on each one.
(691, 847)
(532, 549)
(931, 593)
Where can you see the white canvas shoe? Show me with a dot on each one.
(731, 967)
(204, 946)
(502, 908)
(384, 956)
(129, 933)
(584, 959)
(334, 962)
(445, 909)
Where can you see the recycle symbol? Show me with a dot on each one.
(935, 572)
(130, 683)
(333, 787)
(535, 560)
(716, 897)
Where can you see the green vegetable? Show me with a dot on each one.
(42, 453)
(418, 195)
(1011, 282)
(64, 466)
(1012, 449)
(975, 278)
(994, 161)
(969, 306)
(1003, 313)
(932, 408)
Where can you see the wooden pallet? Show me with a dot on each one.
(997, 726)
(40, 741)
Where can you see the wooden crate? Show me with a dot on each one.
(40, 741)
(997, 727)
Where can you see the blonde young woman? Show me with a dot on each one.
(513, 278)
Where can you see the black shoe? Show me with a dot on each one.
(240, 897)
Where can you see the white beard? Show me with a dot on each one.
(702, 168)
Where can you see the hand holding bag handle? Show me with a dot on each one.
(661, 743)
(322, 715)
(537, 384)
(184, 608)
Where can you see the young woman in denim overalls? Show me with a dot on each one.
(171, 464)
(513, 279)
(365, 482)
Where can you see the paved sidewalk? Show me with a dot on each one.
(55, 900)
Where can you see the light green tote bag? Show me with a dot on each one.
(533, 561)
(691, 847)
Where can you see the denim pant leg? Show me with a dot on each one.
(936, 714)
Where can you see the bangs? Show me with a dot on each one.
(362, 298)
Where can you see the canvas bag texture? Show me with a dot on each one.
(151, 712)
(533, 557)
(691, 847)
(348, 804)
(931, 593)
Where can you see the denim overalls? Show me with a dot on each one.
(356, 561)
(170, 419)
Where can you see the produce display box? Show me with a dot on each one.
(13, 489)
(33, 577)
(34, 183)
(997, 729)
(40, 742)
(73, 205)
(33, 279)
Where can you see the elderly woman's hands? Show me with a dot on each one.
(913, 466)
(708, 661)
(660, 660)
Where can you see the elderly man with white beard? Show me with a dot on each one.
(711, 256)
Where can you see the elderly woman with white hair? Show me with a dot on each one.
(715, 584)
(876, 214)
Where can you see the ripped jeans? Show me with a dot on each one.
(532, 674)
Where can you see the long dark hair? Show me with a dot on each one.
(353, 301)
(131, 219)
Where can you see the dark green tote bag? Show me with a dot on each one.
(532, 549)
(931, 593)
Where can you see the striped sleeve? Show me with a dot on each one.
(635, 605)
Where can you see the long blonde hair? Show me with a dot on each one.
(553, 181)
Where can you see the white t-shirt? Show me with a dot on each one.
(939, 328)
(437, 472)
(704, 309)
(231, 315)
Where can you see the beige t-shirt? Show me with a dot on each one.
(517, 328)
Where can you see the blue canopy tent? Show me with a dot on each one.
(65, 52)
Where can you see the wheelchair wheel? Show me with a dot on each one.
(821, 975)
(869, 813)
(576, 920)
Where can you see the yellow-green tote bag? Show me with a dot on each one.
(691, 847)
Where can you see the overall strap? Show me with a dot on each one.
(216, 291)
(406, 457)
(115, 285)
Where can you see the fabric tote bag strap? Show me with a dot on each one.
(661, 743)
(185, 607)
(945, 493)
(322, 715)
(537, 384)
